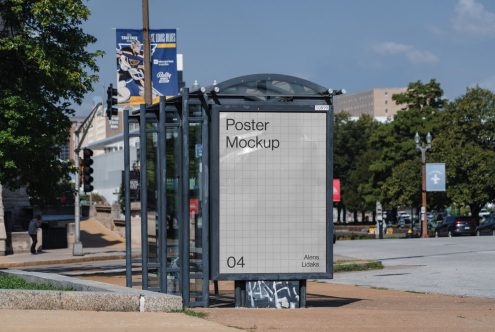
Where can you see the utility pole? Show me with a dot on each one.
(148, 96)
(423, 149)
(77, 249)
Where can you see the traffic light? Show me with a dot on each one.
(87, 170)
(111, 101)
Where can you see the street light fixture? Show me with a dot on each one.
(423, 149)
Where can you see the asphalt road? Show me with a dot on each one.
(456, 266)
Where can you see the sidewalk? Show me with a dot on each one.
(45, 320)
(99, 244)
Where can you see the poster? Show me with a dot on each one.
(130, 65)
(273, 192)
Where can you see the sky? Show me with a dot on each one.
(354, 45)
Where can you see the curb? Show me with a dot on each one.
(88, 296)
(82, 259)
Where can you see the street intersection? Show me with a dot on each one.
(456, 266)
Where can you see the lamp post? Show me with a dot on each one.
(423, 149)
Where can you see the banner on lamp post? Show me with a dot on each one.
(130, 65)
(435, 177)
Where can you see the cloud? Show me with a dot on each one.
(409, 51)
(436, 30)
(471, 17)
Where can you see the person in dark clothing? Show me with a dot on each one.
(33, 232)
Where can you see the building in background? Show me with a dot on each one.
(67, 150)
(109, 164)
(377, 103)
(101, 128)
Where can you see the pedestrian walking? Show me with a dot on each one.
(33, 232)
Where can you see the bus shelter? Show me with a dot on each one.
(234, 184)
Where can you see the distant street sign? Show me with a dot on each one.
(435, 177)
(198, 150)
(336, 190)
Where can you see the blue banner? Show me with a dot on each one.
(130, 65)
(435, 177)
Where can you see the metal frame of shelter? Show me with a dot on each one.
(175, 192)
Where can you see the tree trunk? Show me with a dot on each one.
(363, 216)
(475, 210)
(394, 214)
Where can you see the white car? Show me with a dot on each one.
(404, 215)
(484, 213)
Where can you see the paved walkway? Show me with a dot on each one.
(330, 306)
(99, 244)
(52, 321)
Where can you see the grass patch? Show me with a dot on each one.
(14, 282)
(349, 261)
(249, 329)
(192, 313)
(415, 292)
(349, 267)
(379, 288)
(354, 236)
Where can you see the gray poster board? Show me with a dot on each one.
(271, 206)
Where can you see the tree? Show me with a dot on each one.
(359, 192)
(421, 96)
(402, 187)
(45, 68)
(467, 146)
(341, 157)
(394, 143)
(351, 142)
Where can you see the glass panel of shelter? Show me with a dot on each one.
(270, 88)
(173, 202)
(133, 152)
(151, 239)
(198, 288)
(168, 278)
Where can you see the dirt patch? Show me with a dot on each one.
(352, 308)
(95, 235)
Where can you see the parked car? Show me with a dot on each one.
(404, 221)
(484, 213)
(487, 227)
(454, 225)
(432, 224)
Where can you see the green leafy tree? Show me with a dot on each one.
(467, 146)
(342, 160)
(45, 68)
(402, 186)
(341, 157)
(395, 146)
(359, 192)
